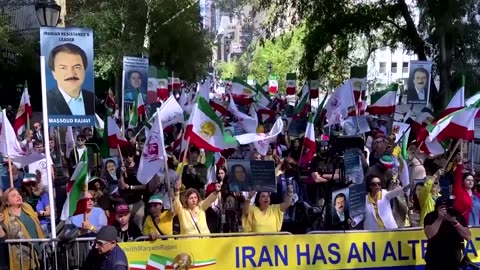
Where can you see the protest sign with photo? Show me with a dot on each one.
(68, 61)
(353, 166)
(357, 199)
(247, 175)
(340, 206)
(135, 78)
(418, 91)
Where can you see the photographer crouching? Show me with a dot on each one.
(446, 230)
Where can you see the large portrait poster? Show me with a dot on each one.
(69, 77)
(135, 79)
(419, 82)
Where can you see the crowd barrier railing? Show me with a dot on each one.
(50, 247)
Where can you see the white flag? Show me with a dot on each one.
(69, 141)
(171, 112)
(11, 147)
(204, 89)
(338, 104)
(262, 140)
(247, 122)
(153, 155)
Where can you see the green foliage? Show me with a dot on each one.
(334, 27)
(19, 54)
(181, 43)
(119, 29)
(283, 54)
(227, 70)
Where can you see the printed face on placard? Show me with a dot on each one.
(69, 72)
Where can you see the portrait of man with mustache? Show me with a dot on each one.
(68, 63)
(418, 86)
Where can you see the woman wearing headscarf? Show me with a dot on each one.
(21, 222)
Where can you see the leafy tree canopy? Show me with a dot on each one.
(121, 27)
(448, 32)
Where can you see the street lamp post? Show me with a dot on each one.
(48, 12)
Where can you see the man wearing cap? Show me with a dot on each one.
(106, 254)
(127, 229)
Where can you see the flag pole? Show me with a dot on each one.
(10, 171)
(51, 196)
(121, 158)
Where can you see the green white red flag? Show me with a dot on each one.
(242, 92)
(456, 103)
(309, 142)
(205, 129)
(137, 110)
(291, 84)
(457, 125)
(76, 187)
(24, 113)
(383, 102)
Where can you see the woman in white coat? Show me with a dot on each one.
(378, 211)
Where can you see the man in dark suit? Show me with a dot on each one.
(68, 63)
(340, 215)
(417, 91)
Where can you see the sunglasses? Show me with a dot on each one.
(375, 184)
(155, 204)
(90, 199)
(435, 183)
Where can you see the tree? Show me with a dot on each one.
(227, 70)
(18, 57)
(334, 26)
(166, 31)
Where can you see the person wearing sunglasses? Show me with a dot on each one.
(87, 218)
(78, 151)
(160, 220)
(378, 211)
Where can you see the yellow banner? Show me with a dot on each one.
(350, 250)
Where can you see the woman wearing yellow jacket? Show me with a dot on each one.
(191, 214)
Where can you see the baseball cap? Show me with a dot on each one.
(155, 199)
(107, 234)
(122, 208)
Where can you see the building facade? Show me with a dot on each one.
(386, 66)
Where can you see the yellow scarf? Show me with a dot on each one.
(374, 202)
(17, 230)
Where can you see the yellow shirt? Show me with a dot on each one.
(374, 202)
(426, 200)
(397, 151)
(187, 224)
(270, 221)
(165, 225)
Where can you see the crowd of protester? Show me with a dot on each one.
(183, 200)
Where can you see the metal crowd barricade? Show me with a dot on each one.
(364, 231)
(50, 247)
(43, 258)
